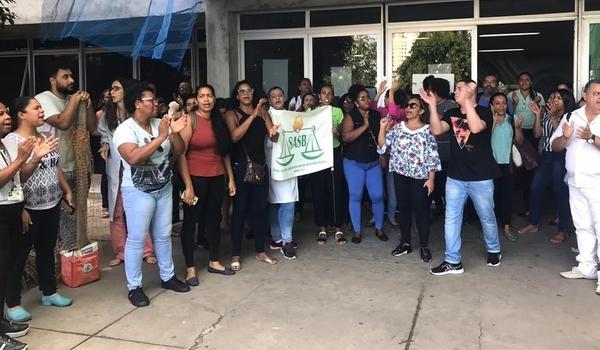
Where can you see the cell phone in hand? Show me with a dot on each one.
(66, 207)
(195, 198)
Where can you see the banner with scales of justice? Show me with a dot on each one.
(305, 143)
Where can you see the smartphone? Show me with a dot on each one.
(66, 207)
(195, 198)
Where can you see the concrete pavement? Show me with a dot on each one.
(337, 297)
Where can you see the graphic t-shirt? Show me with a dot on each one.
(155, 173)
(42, 190)
(471, 157)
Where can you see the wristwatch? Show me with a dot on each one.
(592, 139)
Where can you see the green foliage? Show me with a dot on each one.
(6, 15)
(435, 48)
(362, 57)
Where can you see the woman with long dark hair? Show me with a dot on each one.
(204, 168)
(505, 131)
(518, 106)
(43, 191)
(361, 161)
(551, 170)
(249, 124)
(114, 113)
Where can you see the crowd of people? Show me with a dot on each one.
(458, 152)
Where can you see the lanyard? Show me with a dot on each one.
(6, 158)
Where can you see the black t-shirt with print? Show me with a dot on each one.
(471, 157)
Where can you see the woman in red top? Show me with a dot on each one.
(203, 167)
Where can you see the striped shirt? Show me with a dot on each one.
(547, 131)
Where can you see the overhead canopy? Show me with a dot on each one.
(159, 29)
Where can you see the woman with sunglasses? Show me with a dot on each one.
(248, 124)
(113, 114)
(414, 160)
(144, 142)
(360, 128)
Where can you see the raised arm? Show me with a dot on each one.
(436, 125)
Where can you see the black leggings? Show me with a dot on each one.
(329, 197)
(411, 197)
(209, 191)
(43, 234)
(11, 234)
(250, 202)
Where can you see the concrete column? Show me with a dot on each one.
(217, 46)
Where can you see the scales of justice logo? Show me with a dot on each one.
(299, 140)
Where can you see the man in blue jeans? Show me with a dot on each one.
(471, 170)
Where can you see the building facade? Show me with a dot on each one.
(341, 42)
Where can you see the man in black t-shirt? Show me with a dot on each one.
(471, 170)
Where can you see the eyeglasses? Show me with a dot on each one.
(147, 141)
(413, 105)
(245, 92)
(363, 98)
(152, 99)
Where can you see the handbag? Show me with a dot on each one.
(528, 155)
(516, 157)
(79, 267)
(255, 172)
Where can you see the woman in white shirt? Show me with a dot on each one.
(45, 186)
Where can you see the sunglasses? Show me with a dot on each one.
(413, 105)
(245, 92)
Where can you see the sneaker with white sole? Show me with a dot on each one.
(598, 289)
(446, 268)
(276, 245)
(288, 251)
(576, 274)
(494, 259)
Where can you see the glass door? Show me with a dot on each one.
(416, 54)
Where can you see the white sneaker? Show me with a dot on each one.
(598, 289)
(576, 274)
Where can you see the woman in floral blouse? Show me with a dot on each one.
(413, 160)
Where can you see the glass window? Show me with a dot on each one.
(339, 17)
(592, 5)
(595, 51)
(277, 62)
(430, 11)
(345, 60)
(102, 69)
(508, 49)
(165, 77)
(490, 8)
(43, 64)
(273, 20)
(202, 65)
(14, 80)
(66, 43)
(13, 45)
(445, 54)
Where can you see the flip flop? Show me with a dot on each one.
(150, 260)
(268, 260)
(322, 238)
(339, 237)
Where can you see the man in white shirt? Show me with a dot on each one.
(579, 134)
(62, 106)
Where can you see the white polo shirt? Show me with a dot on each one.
(582, 158)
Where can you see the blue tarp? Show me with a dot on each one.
(159, 29)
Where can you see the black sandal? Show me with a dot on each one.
(322, 238)
(357, 238)
(339, 237)
(381, 235)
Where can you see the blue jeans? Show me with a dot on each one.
(147, 212)
(550, 172)
(482, 195)
(281, 219)
(357, 175)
